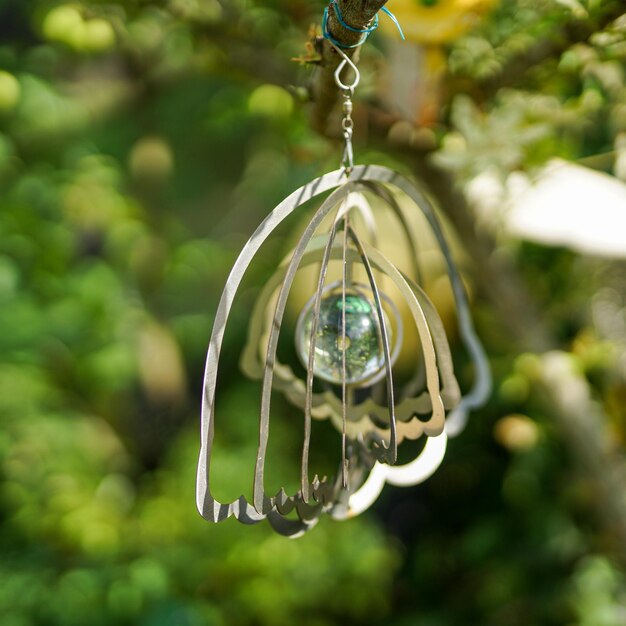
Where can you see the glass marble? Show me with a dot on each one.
(363, 345)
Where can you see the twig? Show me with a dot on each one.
(358, 14)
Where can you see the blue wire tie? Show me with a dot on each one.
(364, 31)
(394, 19)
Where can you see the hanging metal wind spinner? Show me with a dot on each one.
(347, 337)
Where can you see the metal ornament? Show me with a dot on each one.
(348, 338)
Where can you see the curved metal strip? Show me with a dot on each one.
(416, 383)
(262, 503)
(481, 388)
(409, 474)
(344, 397)
(289, 528)
(308, 400)
(388, 198)
(392, 451)
(208, 507)
(435, 424)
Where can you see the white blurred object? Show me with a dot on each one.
(569, 205)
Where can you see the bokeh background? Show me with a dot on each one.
(140, 144)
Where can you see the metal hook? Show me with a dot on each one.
(346, 61)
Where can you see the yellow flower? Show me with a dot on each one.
(435, 21)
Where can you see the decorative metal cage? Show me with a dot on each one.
(345, 340)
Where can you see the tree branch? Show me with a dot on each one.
(358, 14)
(568, 401)
(565, 392)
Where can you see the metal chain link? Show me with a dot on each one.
(347, 123)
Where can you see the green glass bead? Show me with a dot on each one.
(363, 349)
